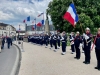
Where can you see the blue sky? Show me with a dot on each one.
(15, 11)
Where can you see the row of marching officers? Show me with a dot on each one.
(75, 41)
(53, 39)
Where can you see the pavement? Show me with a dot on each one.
(7, 60)
(38, 60)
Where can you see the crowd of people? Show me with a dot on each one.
(4, 40)
(55, 40)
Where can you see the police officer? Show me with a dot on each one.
(51, 41)
(77, 42)
(8, 42)
(72, 37)
(55, 42)
(58, 40)
(87, 45)
(64, 41)
(97, 49)
(46, 37)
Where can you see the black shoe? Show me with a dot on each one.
(84, 61)
(99, 69)
(75, 57)
(78, 58)
(87, 63)
(96, 67)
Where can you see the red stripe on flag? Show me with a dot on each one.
(69, 18)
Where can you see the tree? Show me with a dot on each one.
(87, 10)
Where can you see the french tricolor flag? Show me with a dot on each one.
(71, 15)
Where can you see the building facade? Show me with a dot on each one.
(31, 30)
(7, 30)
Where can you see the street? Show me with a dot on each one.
(7, 60)
(38, 60)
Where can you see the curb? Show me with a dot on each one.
(17, 63)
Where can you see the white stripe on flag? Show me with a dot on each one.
(70, 10)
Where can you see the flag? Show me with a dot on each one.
(24, 21)
(34, 27)
(42, 22)
(40, 14)
(32, 21)
(39, 24)
(71, 15)
(28, 18)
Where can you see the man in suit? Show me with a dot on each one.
(9, 42)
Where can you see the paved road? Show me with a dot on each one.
(37, 60)
(7, 60)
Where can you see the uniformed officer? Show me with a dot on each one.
(8, 42)
(3, 42)
(72, 37)
(58, 40)
(77, 42)
(55, 42)
(51, 40)
(64, 41)
(87, 45)
(97, 49)
(28, 38)
(46, 37)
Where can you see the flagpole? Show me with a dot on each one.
(43, 23)
(35, 26)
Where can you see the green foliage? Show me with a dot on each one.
(88, 12)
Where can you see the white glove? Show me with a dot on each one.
(85, 36)
(62, 38)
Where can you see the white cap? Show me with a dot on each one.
(87, 28)
(77, 32)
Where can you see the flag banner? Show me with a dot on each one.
(39, 24)
(32, 21)
(35, 26)
(28, 18)
(40, 14)
(42, 22)
(24, 21)
(71, 15)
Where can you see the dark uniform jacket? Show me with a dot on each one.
(87, 43)
(97, 42)
(77, 41)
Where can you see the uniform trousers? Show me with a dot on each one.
(97, 51)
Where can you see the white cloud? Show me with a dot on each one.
(14, 12)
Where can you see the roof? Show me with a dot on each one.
(2, 24)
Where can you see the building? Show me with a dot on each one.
(21, 33)
(31, 31)
(7, 30)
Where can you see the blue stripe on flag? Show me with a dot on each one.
(28, 18)
(73, 7)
